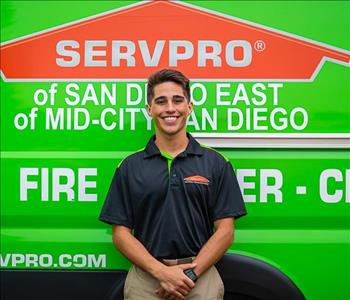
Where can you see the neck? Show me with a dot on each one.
(173, 144)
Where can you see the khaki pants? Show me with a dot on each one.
(140, 285)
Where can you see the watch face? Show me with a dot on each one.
(191, 274)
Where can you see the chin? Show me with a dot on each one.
(170, 132)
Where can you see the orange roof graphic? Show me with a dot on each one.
(132, 42)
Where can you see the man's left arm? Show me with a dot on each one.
(228, 202)
(216, 246)
(213, 249)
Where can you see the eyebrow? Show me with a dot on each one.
(159, 98)
(163, 97)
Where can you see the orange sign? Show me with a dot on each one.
(133, 42)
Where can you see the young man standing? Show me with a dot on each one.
(173, 194)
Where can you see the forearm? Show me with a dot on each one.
(171, 278)
(132, 249)
(215, 247)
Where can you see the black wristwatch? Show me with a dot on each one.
(191, 274)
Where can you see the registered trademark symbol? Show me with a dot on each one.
(259, 45)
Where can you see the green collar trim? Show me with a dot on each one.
(127, 156)
(205, 146)
(169, 159)
(166, 155)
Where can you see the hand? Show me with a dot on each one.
(165, 295)
(174, 284)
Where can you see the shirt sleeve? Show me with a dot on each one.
(229, 200)
(117, 208)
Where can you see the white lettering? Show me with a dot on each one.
(325, 186)
(175, 55)
(62, 188)
(236, 53)
(231, 47)
(62, 48)
(91, 53)
(103, 119)
(220, 93)
(203, 90)
(84, 184)
(118, 55)
(146, 56)
(273, 189)
(203, 55)
(241, 178)
(130, 87)
(25, 184)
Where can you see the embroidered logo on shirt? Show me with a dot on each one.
(197, 179)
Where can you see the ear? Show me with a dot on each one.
(190, 106)
(148, 108)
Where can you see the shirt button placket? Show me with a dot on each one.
(173, 177)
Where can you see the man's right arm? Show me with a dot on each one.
(171, 278)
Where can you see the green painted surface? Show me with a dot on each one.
(302, 235)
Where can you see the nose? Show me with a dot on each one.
(170, 108)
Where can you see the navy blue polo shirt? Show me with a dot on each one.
(171, 204)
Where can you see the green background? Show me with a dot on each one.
(304, 237)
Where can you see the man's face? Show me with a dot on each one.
(169, 108)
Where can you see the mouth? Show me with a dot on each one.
(170, 119)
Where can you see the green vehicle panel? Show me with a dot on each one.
(293, 165)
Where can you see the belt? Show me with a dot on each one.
(178, 261)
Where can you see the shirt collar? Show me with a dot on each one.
(193, 147)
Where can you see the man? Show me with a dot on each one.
(172, 194)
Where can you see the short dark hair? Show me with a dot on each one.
(164, 76)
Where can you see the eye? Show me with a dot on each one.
(160, 101)
(178, 99)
